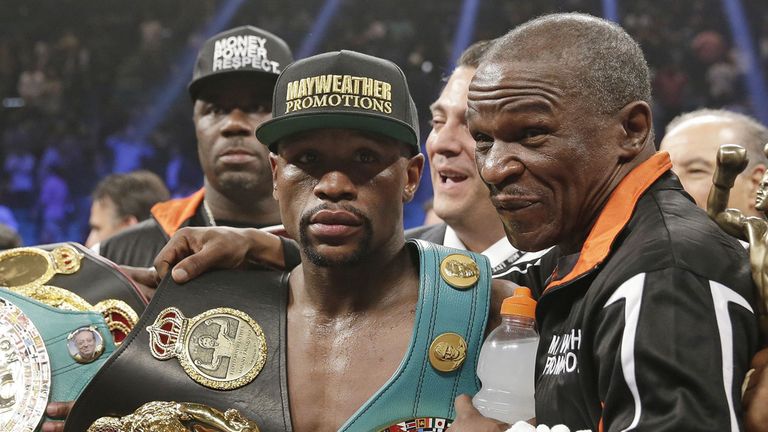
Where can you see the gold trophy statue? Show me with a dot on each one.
(731, 161)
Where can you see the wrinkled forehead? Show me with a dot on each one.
(501, 84)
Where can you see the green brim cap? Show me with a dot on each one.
(343, 89)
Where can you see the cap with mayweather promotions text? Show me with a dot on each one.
(342, 89)
(245, 49)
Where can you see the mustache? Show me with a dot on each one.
(512, 190)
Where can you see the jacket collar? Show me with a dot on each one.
(173, 214)
(615, 215)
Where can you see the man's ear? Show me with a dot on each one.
(636, 123)
(414, 170)
(130, 220)
(273, 167)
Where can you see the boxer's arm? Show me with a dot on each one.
(192, 251)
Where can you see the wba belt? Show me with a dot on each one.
(210, 352)
(204, 344)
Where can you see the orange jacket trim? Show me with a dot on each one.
(172, 214)
(615, 215)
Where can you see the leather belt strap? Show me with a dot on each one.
(133, 376)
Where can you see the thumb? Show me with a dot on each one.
(464, 407)
(193, 265)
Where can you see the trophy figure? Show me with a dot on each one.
(731, 161)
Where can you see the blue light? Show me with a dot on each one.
(611, 10)
(319, 28)
(754, 74)
(465, 31)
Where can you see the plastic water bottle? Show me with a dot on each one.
(507, 362)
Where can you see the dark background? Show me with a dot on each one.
(90, 88)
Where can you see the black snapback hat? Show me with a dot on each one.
(245, 49)
(342, 89)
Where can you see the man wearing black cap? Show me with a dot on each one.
(345, 160)
(231, 89)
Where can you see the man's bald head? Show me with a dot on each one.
(752, 135)
(602, 64)
(693, 139)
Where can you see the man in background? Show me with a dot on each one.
(461, 198)
(231, 89)
(692, 140)
(121, 201)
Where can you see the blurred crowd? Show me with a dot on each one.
(81, 82)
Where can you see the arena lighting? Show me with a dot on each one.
(465, 31)
(319, 28)
(182, 73)
(611, 10)
(758, 94)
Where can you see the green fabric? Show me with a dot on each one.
(417, 390)
(68, 377)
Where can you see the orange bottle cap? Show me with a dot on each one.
(521, 303)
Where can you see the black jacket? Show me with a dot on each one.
(138, 245)
(650, 327)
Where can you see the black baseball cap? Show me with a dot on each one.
(241, 50)
(342, 89)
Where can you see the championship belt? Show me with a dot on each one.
(25, 371)
(204, 357)
(441, 361)
(79, 304)
(69, 276)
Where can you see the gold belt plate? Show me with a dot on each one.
(221, 348)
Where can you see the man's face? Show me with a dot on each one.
(341, 193)
(85, 344)
(693, 145)
(458, 188)
(226, 115)
(761, 200)
(546, 157)
(104, 221)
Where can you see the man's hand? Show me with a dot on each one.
(192, 251)
(469, 419)
(56, 410)
(755, 398)
(145, 278)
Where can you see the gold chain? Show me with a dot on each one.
(208, 212)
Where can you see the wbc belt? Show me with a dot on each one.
(61, 330)
(210, 352)
(76, 305)
(441, 360)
